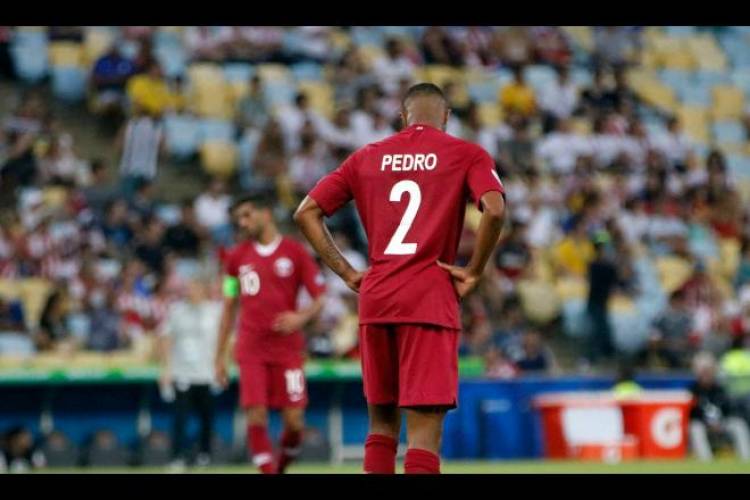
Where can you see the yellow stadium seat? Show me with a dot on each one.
(202, 75)
(679, 60)
(729, 148)
(673, 272)
(539, 300)
(320, 95)
(490, 113)
(219, 158)
(370, 53)
(695, 122)
(95, 44)
(743, 188)
(272, 72)
(54, 196)
(582, 35)
(10, 289)
(581, 126)
(656, 93)
(441, 74)
(238, 90)
(728, 102)
(33, 294)
(66, 54)
(339, 39)
(650, 59)
(729, 251)
(571, 289)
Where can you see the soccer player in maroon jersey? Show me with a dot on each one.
(264, 275)
(410, 191)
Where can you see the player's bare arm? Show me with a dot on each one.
(309, 218)
(228, 315)
(465, 279)
(292, 321)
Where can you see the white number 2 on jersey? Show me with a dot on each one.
(397, 246)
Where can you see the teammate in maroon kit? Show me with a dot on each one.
(410, 191)
(264, 275)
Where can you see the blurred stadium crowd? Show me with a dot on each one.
(623, 151)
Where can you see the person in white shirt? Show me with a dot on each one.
(392, 68)
(561, 149)
(559, 98)
(293, 119)
(212, 211)
(188, 345)
(203, 44)
(674, 144)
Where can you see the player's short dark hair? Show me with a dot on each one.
(259, 199)
(424, 88)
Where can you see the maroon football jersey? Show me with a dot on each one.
(410, 191)
(271, 278)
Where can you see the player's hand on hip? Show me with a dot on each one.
(354, 280)
(288, 322)
(463, 281)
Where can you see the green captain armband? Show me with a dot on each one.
(231, 287)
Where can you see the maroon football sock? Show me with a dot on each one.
(289, 449)
(261, 449)
(380, 454)
(421, 462)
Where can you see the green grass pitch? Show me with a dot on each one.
(726, 465)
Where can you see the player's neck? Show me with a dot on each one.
(269, 235)
(427, 123)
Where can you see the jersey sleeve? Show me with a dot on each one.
(230, 263)
(310, 274)
(335, 189)
(482, 177)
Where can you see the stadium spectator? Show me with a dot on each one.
(513, 256)
(105, 331)
(12, 317)
(514, 46)
(152, 244)
(497, 365)
(53, 329)
(252, 110)
(98, 193)
(310, 163)
(625, 384)
(713, 417)
(187, 346)
(18, 452)
(561, 150)
(517, 96)
(7, 70)
(574, 251)
(185, 237)
(212, 211)
(613, 45)
(558, 99)
(532, 356)
(202, 44)
(393, 67)
(602, 279)
(139, 142)
(669, 343)
(143, 203)
(108, 79)
(438, 47)
(150, 92)
(735, 373)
